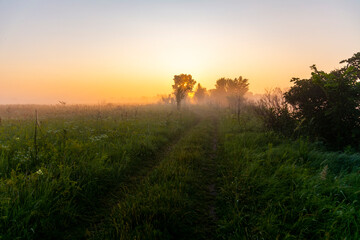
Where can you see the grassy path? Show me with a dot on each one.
(127, 184)
(211, 173)
(176, 199)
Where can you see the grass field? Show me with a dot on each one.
(152, 172)
(276, 188)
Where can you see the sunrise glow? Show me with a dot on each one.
(114, 51)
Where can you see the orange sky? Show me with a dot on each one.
(92, 51)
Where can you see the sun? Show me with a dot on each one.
(191, 94)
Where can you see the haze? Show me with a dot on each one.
(122, 51)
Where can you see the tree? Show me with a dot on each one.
(327, 104)
(231, 91)
(238, 86)
(220, 92)
(222, 85)
(200, 93)
(183, 84)
(237, 89)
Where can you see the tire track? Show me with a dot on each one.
(132, 180)
(211, 188)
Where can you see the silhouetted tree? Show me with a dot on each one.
(200, 93)
(327, 104)
(183, 84)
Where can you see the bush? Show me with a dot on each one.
(275, 112)
(327, 104)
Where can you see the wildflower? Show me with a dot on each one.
(39, 172)
(98, 138)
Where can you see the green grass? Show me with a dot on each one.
(144, 172)
(276, 188)
(80, 158)
(171, 203)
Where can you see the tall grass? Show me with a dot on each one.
(81, 156)
(268, 186)
(276, 188)
(170, 203)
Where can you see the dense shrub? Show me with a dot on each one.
(327, 105)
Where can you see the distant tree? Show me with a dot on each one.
(183, 84)
(200, 93)
(167, 99)
(222, 85)
(220, 92)
(237, 89)
(231, 91)
(327, 104)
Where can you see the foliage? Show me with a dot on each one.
(275, 188)
(183, 84)
(171, 201)
(327, 104)
(275, 112)
(267, 186)
(230, 90)
(83, 152)
(200, 93)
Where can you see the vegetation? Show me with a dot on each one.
(274, 188)
(230, 91)
(171, 201)
(200, 94)
(223, 170)
(327, 104)
(324, 107)
(80, 157)
(276, 113)
(183, 84)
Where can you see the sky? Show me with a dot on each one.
(116, 51)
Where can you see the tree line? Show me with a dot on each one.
(227, 92)
(324, 107)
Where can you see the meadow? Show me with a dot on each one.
(153, 172)
(273, 187)
(81, 153)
